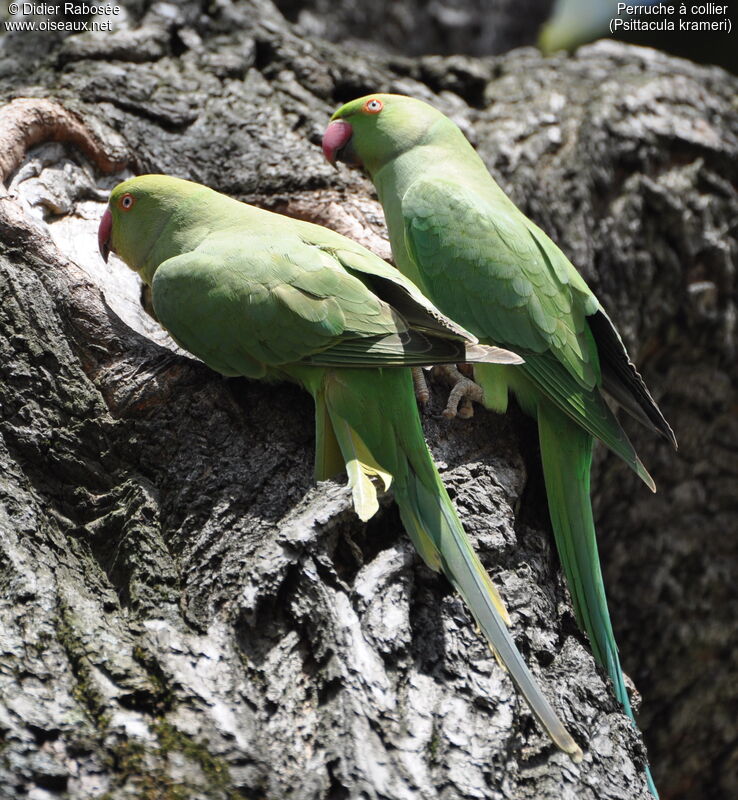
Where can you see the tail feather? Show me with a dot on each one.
(361, 467)
(433, 526)
(328, 456)
(566, 452)
(384, 440)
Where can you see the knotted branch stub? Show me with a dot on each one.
(25, 122)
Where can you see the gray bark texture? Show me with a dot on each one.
(418, 27)
(184, 613)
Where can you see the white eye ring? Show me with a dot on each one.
(374, 105)
(126, 201)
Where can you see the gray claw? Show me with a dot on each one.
(463, 393)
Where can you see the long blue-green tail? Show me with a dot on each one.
(566, 452)
(374, 418)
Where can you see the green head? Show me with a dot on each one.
(376, 128)
(145, 210)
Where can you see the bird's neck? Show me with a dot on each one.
(184, 230)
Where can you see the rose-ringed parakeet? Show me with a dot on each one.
(257, 294)
(484, 263)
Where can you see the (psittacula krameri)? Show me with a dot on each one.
(257, 294)
(469, 249)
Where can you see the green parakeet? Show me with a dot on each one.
(484, 263)
(257, 294)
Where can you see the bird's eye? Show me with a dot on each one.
(373, 106)
(126, 202)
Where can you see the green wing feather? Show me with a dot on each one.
(233, 309)
(519, 292)
(456, 238)
(587, 408)
(385, 281)
(247, 306)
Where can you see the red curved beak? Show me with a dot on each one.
(337, 135)
(103, 234)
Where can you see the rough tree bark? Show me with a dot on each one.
(183, 613)
(419, 27)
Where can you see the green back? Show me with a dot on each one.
(472, 252)
(248, 291)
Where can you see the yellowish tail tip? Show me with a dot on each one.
(360, 470)
(363, 491)
(576, 755)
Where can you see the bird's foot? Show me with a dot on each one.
(463, 393)
(422, 394)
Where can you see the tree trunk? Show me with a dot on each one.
(417, 27)
(184, 613)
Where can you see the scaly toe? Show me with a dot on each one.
(422, 395)
(463, 391)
